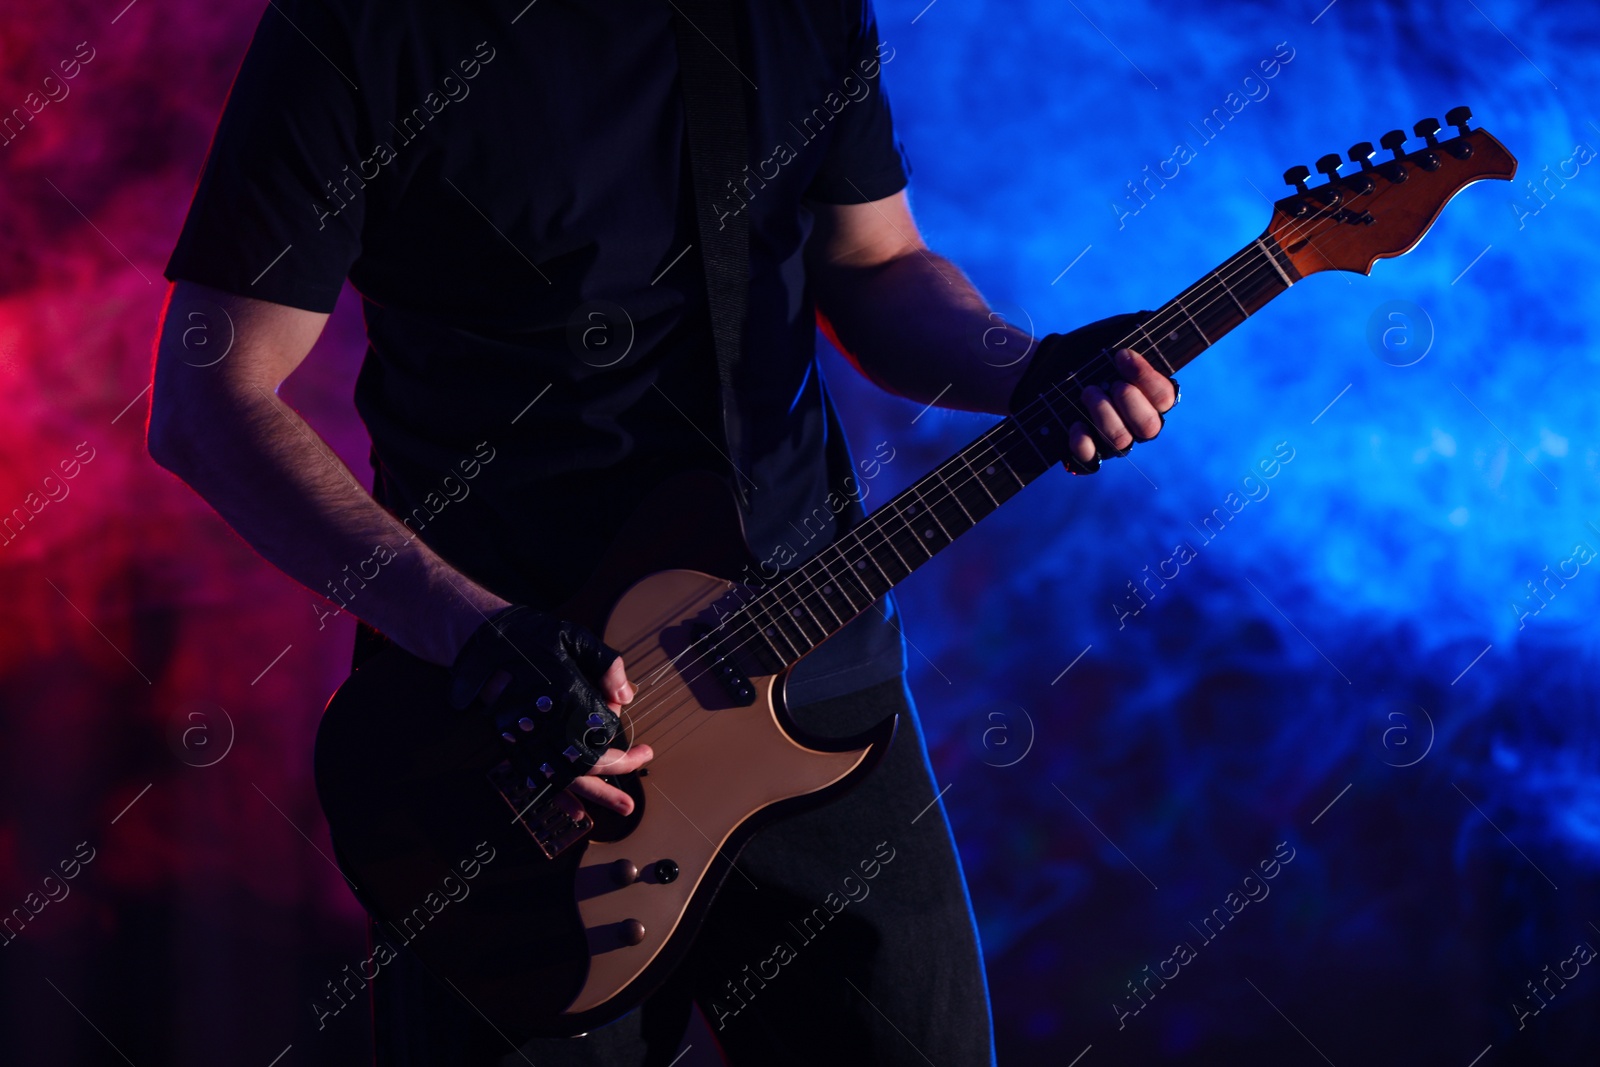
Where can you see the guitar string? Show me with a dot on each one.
(1233, 269)
(640, 715)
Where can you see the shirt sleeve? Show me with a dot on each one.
(278, 210)
(865, 161)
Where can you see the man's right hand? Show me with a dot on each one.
(522, 666)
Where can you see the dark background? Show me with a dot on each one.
(160, 685)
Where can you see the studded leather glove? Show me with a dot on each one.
(1059, 356)
(550, 711)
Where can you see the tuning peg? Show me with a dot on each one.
(1329, 165)
(1428, 128)
(1296, 176)
(1458, 117)
(1394, 141)
(1362, 153)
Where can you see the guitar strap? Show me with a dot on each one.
(714, 113)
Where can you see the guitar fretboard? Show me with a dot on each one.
(807, 605)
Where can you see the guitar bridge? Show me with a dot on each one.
(555, 822)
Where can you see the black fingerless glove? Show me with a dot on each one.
(551, 712)
(1059, 356)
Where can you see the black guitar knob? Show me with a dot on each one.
(1458, 117)
(1394, 141)
(1296, 176)
(666, 871)
(1362, 153)
(1428, 128)
(1329, 165)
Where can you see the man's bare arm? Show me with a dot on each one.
(218, 424)
(917, 327)
(223, 429)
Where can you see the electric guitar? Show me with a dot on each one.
(551, 920)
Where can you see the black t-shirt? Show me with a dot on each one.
(506, 187)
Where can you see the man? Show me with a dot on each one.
(510, 194)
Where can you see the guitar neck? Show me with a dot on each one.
(807, 605)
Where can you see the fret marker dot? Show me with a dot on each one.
(1044, 431)
(861, 565)
(797, 613)
(988, 470)
(827, 590)
(928, 534)
(771, 631)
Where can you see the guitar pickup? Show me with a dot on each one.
(554, 818)
(733, 682)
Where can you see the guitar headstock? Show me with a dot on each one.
(1384, 208)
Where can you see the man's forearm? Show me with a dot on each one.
(286, 493)
(916, 326)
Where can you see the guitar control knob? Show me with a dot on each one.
(1428, 128)
(524, 724)
(666, 871)
(630, 932)
(1394, 141)
(544, 703)
(624, 872)
(1296, 176)
(1362, 153)
(1458, 117)
(1329, 165)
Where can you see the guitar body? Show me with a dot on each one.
(554, 946)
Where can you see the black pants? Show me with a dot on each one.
(850, 940)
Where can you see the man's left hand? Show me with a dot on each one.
(1127, 410)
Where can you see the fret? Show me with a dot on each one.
(979, 478)
(926, 510)
(743, 640)
(769, 622)
(916, 519)
(796, 608)
(1001, 461)
(1242, 309)
(950, 490)
(1151, 346)
(1020, 428)
(846, 574)
(805, 598)
(883, 534)
(862, 571)
(1262, 244)
(1184, 308)
(839, 580)
(1062, 394)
